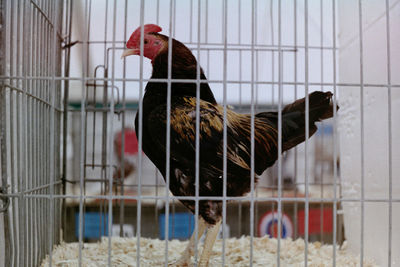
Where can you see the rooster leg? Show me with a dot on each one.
(188, 253)
(212, 233)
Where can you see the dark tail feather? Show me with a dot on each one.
(293, 117)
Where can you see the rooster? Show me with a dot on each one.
(183, 133)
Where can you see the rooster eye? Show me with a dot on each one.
(145, 41)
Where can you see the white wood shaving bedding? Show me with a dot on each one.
(237, 253)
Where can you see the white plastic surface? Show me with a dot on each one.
(376, 137)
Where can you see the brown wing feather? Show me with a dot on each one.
(183, 129)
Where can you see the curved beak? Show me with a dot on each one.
(128, 52)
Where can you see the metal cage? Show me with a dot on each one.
(31, 120)
(71, 170)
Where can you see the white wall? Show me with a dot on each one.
(375, 110)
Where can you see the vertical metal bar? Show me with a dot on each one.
(85, 47)
(122, 201)
(36, 132)
(48, 134)
(256, 89)
(252, 152)
(240, 99)
(3, 129)
(47, 122)
(361, 131)
(87, 113)
(295, 97)
(40, 175)
(307, 107)
(13, 134)
(240, 56)
(191, 22)
(322, 123)
(67, 59)
(42, 181)
(389, 81)
(29, 136)
(225, 141)
(156, 215)
(24, 100)
(24, 113)
(156, 177)
(104, 119)
(110, 138)
(208, 61)
(206, 33)
(13, 221)
(59, 114)
(174, 20)
(256, 98)
(280, 96)
(140, 147)
(21, 171)
(271, 15)
(88, 38)
(33, 208)
(52, 133)
(197, 174)
(335, 203)
(3, 96)
(256, 33)
(168, 134)
(158, 12)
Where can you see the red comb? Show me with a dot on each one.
(135, 37)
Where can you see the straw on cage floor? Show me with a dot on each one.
(152, 253)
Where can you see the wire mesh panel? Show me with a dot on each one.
(115, 189)
(31, 111)
(129, 153)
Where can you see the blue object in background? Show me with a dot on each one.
(180, 226)
(92, 225)
(325, 128)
